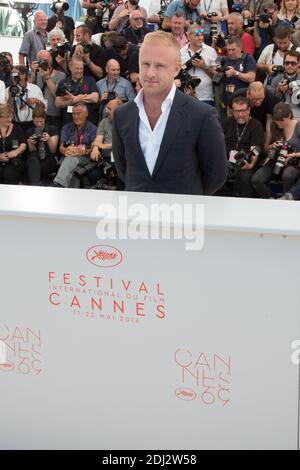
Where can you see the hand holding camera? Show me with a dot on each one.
(230, 72)
(95, 154)
(199, 63)
(282, 86)
(3, 157)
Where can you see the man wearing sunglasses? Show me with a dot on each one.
(281, 83)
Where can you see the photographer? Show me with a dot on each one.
(201, 66)
(60, 20)
(35, 40)
(59, 50)
(93, 56)
(290, 12)
(264, 27)
(212, 13)
(47, 79)
(242, 133)
(240, 70)
(113, 86)
(136, 31)
(76, 141)
(121, 14)
(283, 148)
(235, 29)
(127, 55)
(77, 89)
(5, 73)
(178, 29)
(156, 11)
(97, 13)
(42, 141)
(23, 96)
(12, 145)
(273, 54)
(189, 8)
(281, 83)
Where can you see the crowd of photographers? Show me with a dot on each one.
(243, 58)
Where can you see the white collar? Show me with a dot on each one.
(139, 100)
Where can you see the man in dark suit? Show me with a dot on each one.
(165, 141)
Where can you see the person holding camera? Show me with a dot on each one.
(239, 70)
(120, 18)
(199, 60)
(47, 79)
(76, 141)
(282, 83)
(77, 89)
(59, 50)
(235, 29)
(98, 14)
(23, 96)
(242, 134)
(189, 8)
(273, 54)
(127, 55)
(92, 55)
(12, 146)
(60, 20)
(212, 13)
(42, 142)
(283, 152)
(35, 40)
(113, 86)
(264, 27)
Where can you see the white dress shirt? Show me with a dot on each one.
(31, 91)
(150, 140)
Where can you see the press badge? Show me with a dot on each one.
(232, 155)
(111, 158)
(70, 109)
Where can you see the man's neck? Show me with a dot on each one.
(153, 104)
(195, 48)
(112, 80)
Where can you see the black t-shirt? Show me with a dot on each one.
(98, 56)
(68, 25)
(13, 140)
(252, 134)
(51, 130)
(267, 106)
(135, 36)
(128, 65)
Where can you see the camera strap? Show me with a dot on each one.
(113, 88)
(240, 135)
(207, 8)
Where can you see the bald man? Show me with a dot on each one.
(113, 86)
(35, 40)
(262, 101)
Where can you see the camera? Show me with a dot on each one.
(278, 69)
(213, 24)
(241, 158)
(109, 179)
(187, 80)
(220, 71)
(248, 22)
(68, 143)
(111, 96)
(221, 40)
(265, 17)
(60, 49)
(294, 86)
(279, 155)
(59, 6)
(189, 64)
(39, 143)
(237, 7)
(16, 90)
(43, 64)
(87, 48)
(68, 87)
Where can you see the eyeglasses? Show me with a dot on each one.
(197, 32)
(140, 18)
(236, 111)
(288, 62)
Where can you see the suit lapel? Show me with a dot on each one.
(134, 120)
(174, 123)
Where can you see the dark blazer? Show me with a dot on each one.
(192, 156)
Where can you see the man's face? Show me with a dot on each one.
(76, 69)
(55, 40)
(79, 116)
(233, 51)
(137, 19)
(256, 98)
(241, 113)
(23, 78)
(177, 25)
(291, 65)
(234, 26)
(159, 65)
(113, 71)
(273, 13)
(110, 108)
(45, 55)
(196, 38)
(40, 21)
(283, 44)
(78, 35)
(39, 122)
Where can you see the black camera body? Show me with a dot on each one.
(188, 80)
(43, 64)
(248, 22)
(189, 64)
(278, 69)
(279, 155)
(87, 48)
(68, 87)
(68, 143)
(242, 157)
(220, 71)
(39, 143)
(59, 7)
(213, 23)
(60, 49)
(265, 17)
(16, 90)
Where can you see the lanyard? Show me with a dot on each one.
(239, 136)
(79, 136)
(205, 7)
(113, 88)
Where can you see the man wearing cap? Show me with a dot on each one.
(203, 67)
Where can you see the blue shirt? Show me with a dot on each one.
(178, 5)
(84, 136)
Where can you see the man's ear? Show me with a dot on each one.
(177, 68)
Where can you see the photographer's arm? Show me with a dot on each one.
(53, 143)
(17, 152)
(95, 69)
(95, 6)
(50, 85)
(22, 59)
(64, 101)
(247, 77)
(89, 98)
(256, 35)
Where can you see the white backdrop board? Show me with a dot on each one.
(167, 349)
